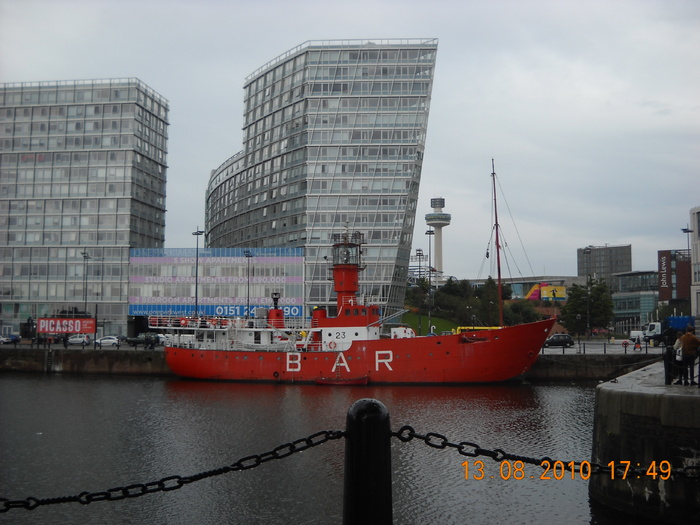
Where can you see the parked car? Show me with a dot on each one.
(144, 339)
(79, 339)
(5, 340)
(108, 340)
(563, 340)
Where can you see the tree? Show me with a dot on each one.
(587, 307)
(488, 295)
(460, 302)
(601, 305)
(519, 312)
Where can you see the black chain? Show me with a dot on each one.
(404, 434)
(472, 450)
(177, 482)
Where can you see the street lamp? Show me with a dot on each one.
(687, 231)
(248, 256)
(196, 233)
(587, 252)
(86, 258)
(419, 256)
(430, 233)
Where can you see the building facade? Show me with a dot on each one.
(601, 262)
(635, 300)
(693, 232)
(333, 139)
(82, 180)
(674, 275)
(227, 282)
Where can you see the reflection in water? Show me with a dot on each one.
(64, 435)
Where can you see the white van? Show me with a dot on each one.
(637, 333)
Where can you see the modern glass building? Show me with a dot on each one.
(82, 180)
(333, 139)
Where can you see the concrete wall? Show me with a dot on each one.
(594, 367)
(639, 419)
(143, 362)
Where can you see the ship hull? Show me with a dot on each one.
(476, 357)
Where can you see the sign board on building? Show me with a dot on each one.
(61, 325)
(215, 281)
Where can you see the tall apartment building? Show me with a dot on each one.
(602, 262)
(333, 139)
(82, 180)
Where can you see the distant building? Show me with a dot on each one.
(694, 246)
(674, 275)
(635, 300)
(82, 180)
(333, 138)
(601, 262)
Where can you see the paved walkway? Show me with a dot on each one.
(643, 393)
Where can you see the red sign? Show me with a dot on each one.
(65, 326)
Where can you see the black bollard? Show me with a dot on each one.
(367, 492)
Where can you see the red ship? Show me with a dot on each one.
(346, 349)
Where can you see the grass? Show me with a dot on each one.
(411, 319)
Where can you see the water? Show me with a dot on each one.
(62, 435)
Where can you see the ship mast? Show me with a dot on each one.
(498, 247)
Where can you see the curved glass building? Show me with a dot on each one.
(333, 138)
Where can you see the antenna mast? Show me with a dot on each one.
(498, 247)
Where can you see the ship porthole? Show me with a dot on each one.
(276, 374)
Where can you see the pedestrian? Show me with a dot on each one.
(669, 337)
(678, 359)
(690, 344)
(638, 344)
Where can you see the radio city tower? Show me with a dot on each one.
(437, 219)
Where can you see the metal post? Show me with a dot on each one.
(367, 493)
(86, 257)
(248, 255)
(196, 233)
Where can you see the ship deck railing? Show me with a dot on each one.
(360, 300)
(222, 324)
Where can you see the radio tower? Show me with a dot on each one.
(437, 219)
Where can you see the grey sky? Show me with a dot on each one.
(591, 109)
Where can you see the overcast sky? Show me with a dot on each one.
(591, 109)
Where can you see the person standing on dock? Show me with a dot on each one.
(669, 336)
(690, 344)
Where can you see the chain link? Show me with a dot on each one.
(177, 482)
(405, 434)
(465, 448)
